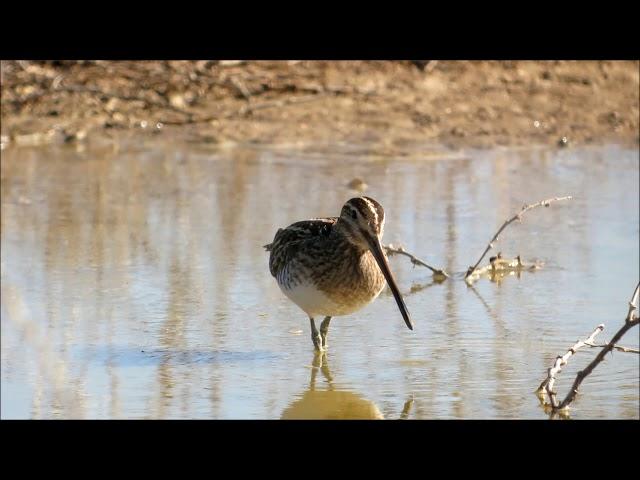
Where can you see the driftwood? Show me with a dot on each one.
(546, 386)
(499, 266)
(517, 216)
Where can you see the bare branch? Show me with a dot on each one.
(399, 250)
(584, 373)
(547, 385)
(517, 216)
(631, 315)
(561, 361)
(631, 321)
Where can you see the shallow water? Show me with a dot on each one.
(134, 284)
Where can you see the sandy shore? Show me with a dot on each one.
(386, 105)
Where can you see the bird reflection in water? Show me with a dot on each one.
(331, 404)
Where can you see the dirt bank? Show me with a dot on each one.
(383, 104)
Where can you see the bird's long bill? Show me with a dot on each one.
(376, 249)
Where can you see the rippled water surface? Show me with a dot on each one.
(134, 284)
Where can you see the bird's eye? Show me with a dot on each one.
(354, 214)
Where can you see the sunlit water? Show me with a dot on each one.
(135, 285)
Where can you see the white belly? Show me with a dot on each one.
(315, 302)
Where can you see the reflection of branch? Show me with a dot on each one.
(54, 371)
(517, 216)
(399, 250)
(547, 385)
(486, 305)
(406, 409)
(415, 288)
(418, 287)
(617, 347)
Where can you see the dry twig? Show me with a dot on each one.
(561, 361)
(399, 250)
(547, 385)
(517, 216)
(631, 321)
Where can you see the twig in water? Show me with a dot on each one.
(391, 250)
(517, 216)
(561, 361)
(547, 384)
(499, 267)
(631, 321)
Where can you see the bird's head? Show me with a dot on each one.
(362, 222)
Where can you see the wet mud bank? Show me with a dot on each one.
(385, 105)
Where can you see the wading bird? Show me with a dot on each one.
(334, 266)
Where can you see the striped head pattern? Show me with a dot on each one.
(362, 220)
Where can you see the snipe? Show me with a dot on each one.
(334, 266)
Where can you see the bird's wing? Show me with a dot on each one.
(288, 240)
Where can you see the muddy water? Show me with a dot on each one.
(134, 284)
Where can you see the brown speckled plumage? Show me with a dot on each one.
(317, 251)
(327, 265)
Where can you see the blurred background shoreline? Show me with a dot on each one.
(384, 104)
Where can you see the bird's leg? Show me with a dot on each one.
(315, 336)
(324, 330)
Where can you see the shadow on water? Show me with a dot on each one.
(115, 356)
(333, 404)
